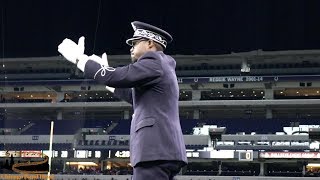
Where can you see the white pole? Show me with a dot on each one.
(50, 149)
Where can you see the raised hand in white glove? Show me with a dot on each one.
(103, 61)
(72, 51)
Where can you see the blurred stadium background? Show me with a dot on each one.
(242, 114)
(248, 72)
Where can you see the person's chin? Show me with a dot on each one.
(133, 59)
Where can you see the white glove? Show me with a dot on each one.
(84, 58)
(72, 51)
(103, 61)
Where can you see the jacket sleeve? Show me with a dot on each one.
(124, 93)
(146, 71)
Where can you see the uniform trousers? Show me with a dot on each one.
(157, 170)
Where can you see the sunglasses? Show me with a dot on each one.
(134, 43)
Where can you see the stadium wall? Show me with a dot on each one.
(128, 177)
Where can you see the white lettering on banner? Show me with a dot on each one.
(31, 154)
(235, 79)
(180, 80)
(10, 153)
(217, 79)
(280, 143)
(299, 143)
(254, 79)
(290, 155)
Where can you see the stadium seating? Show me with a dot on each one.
(233, 126)
(38, 146)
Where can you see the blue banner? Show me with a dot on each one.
(247, 79)
(181, 80)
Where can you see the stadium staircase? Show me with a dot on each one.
(28, 126)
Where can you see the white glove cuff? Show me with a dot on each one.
(81, 63)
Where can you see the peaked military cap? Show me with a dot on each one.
(144, 30)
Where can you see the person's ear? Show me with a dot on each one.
(150, 44)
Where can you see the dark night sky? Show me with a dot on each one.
(34, 28)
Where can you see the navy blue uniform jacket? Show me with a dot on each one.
(151, 86)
